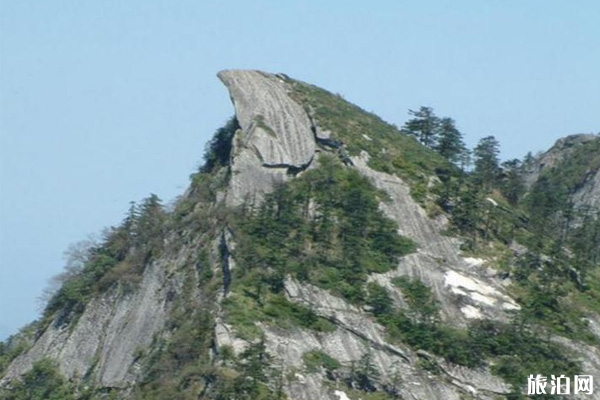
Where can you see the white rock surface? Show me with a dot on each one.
(276, 134)
(478, 291)
(341, 395)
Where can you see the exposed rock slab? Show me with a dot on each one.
(250, 180)
(589, 194)
(113, 329)
(261, 101)
(276, 134)
(459, 283)
(106, 337)
(590, 364)
(356, 335)
(132, 327)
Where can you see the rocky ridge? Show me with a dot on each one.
(562, 149)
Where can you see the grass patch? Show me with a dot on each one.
(390, 150)
(243, 311)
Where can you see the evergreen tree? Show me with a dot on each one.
(585, 241)
(132, 215)
(218, 149)
(365, 374)
(466, 215)
(450, 143)
(379, 299)
(512, 182)
(528, 160)
(149, 226)
(487, 164)
(150, 214)
(255, 361)
(543, 202)
(424, 126)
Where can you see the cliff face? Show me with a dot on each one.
(587, 192)
(117, 338)
(562, 149)
(276, 134)
(106, 339)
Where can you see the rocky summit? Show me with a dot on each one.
(322, 253)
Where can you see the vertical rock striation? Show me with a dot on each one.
(276, 134)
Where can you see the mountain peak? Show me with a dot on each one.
(359, 260)
(276, 133)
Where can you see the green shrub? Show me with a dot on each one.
(218, 150)
(379, 299)
(390, 150)
(314, 360)
(42, 382)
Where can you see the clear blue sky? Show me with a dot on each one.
(103, 102)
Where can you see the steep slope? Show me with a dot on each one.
(275, 135)
(104, 339)
(304, 265)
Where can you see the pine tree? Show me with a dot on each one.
(424, 126)
(487, 164)
(218, 149)
(450, 143)
(466, 216)
(365, 374)
(379, 299)
(585, 241)
(149, 225)
(544, 203)
(512, 182)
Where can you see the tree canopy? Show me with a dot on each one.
(439, 134)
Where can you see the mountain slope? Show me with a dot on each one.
(306, 260)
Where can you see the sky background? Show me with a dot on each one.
(104, 102)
